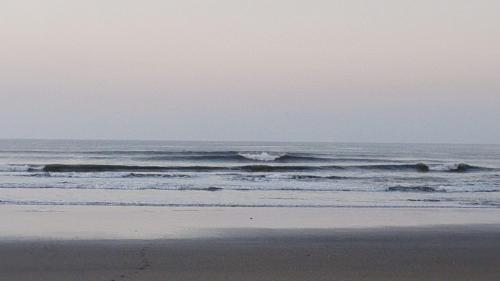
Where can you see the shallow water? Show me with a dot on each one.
(155, 173)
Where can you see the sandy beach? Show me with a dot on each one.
(123, 243)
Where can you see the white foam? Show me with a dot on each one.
(446, 167)
(261, 156)
(13, 168)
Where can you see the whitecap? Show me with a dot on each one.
(14, 168)
(261, 156)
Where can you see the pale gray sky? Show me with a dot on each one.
(354, 70)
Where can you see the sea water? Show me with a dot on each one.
(248, 174)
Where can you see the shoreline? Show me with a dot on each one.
(112, 222)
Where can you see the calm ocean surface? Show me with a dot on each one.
(204, 174)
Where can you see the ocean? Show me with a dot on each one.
(248, 174)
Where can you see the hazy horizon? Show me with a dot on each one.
(239, 141)
(322, 71)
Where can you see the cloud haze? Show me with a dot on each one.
(388, 71)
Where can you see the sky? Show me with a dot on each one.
(281, 70)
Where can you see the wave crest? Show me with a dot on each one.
(262, 156)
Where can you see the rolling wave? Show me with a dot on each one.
(84, 168)
(419, 167)
(414, 189)
(126, 168)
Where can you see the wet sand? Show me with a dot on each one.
(154, 244)
(435, 253)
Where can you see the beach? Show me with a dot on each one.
(141, 210)
(138, 243)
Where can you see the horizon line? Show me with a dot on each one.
(242, 141)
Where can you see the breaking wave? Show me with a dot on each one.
(462, 168)
(15, 167)
(263, 156)
(235, 156)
